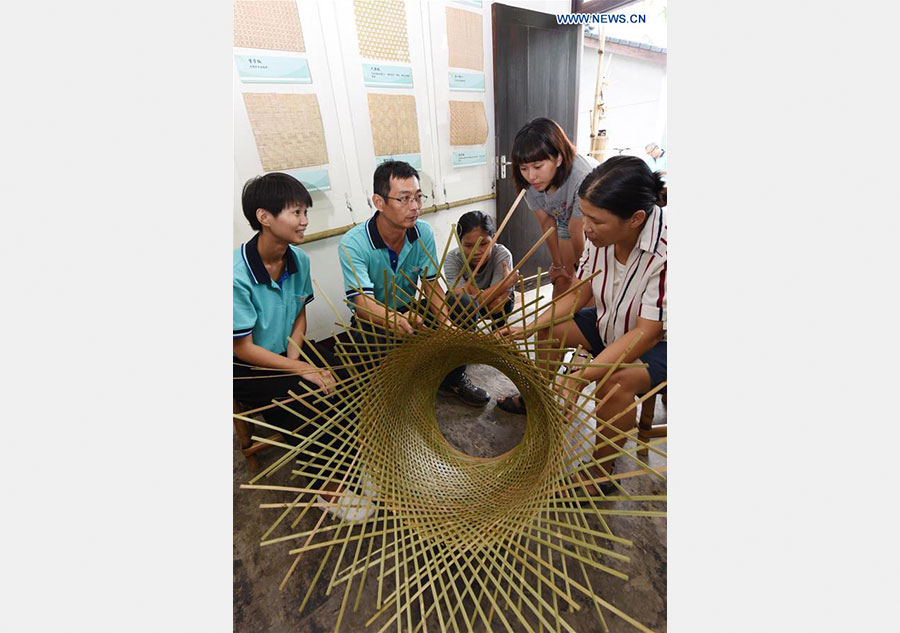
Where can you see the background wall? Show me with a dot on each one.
(635, 102)
(635, 93)
(332, 52)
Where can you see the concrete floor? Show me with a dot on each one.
(259, 606)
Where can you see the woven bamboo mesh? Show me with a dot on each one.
(464, 39)
(287, 129)
(395, 126)
(468, 125)
(268, 24)
(455, 541)
(381, 29)
(452, 496)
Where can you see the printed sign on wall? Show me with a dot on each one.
(255, 69)
(382, 76)
(469, 157)
(466, 82)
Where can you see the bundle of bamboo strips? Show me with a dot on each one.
(455, 539)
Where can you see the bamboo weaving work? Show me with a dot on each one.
(468, 125)
(268, 24)
(457, 542)
(287, 129)
(381, 29)
(464, 39)
(395, 128)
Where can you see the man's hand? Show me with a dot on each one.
(405, 324)
(319, 376)
(415, 321)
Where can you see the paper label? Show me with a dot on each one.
(255, 69)
(383, 76)
(469, 157)
(466, 82)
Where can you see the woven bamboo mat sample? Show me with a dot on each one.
(395, 128)
(464, 38)
(269, 24)
(468, 125)
(381, 29)
(288, 130)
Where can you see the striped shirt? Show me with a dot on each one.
(642, 292)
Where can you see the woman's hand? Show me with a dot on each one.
(511, 332)
(557, 272)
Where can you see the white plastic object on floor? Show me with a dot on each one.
(352, 507)
(581, 433)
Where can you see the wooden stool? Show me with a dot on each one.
(646, 430)
(248, 447)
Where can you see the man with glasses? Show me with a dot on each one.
(382, 261)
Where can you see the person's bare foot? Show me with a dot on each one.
(331, 486)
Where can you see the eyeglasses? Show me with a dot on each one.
(405, 200)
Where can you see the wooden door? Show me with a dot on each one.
(536, 72)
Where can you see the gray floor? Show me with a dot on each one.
(259, 606)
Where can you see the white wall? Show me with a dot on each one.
(635, 101)
(543, 6)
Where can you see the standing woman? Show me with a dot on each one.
(544, 161)
(626, 232)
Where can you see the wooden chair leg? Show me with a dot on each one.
(242, 430)
(245, 437)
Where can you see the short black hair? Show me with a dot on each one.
(381, 182)
(542, 139)
(272, 192)
(622, 185)
(474, 220)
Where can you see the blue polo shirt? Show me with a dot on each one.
(371, 257)
(266, 308)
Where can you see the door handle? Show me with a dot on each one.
(503, 164)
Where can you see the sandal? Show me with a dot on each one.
(595, 488)
(509, 404)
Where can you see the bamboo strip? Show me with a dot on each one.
(502, 226)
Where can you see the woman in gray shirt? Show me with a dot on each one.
(544, 161)
(491, 289)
